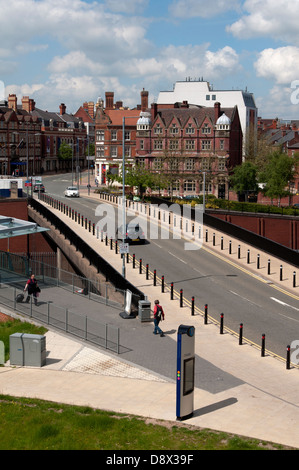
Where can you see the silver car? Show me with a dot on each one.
(71, 191)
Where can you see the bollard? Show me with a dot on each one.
(239, 251)
(140, 266)
(294, 278)
(111, 243)
(192, 306)
(269, 266)
(128, 257)
(248, 256)
(116, 246)
(288, 363)
(162, 284)
(263, 345)
(134, 261)
(155, 277)
(181, 298)
(206, 314)
(241, 334)
(146, 271)
(258, 262)
(221, 323)
(171, 291)
(280, 272)
(93, 229)
(206, 235)
(213, 239)
(230, 247)
(106, 240)
(221, 243)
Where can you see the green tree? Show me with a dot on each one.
(140, 177)
(278, 174)
(65, 151)
(244, 179)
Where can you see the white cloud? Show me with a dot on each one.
(280, 65)
(267, 18)
(132, 6)
(200, 8)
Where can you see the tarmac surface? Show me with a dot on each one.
(236, 390)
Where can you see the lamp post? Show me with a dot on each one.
(123, 192)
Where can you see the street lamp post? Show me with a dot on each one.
(123, 191)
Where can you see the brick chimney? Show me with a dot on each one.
(217, 111)
(109, 99)
(12, 102)
(144, 100)
(62, 108)
(91, 109)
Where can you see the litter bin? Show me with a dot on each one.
(27, 350)
(144, 310)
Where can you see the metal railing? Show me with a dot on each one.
(101, 334)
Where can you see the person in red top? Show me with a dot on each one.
(158, 316)
(32, 288)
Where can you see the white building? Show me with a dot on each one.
(202, 94)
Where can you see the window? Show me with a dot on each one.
(206, 145)
(206, 129)
(157, 163)
(100, 136)
(190, 129)
(100, 152)
(127, 135)
(214, 97)
(141, 144)
(141, 162)
(113, 135)
(208, 97)
(205, 164)
(113, 151)
(158, 145)
(158, 129)
(190, 145)
(174, 129)
(173, 164)
(189, 186)
(127, 151)
(221, 144)
(221, 164)
(189, 164)
(173, 144)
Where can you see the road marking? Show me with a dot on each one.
(244, 298)
(180, 259)
(284, 303)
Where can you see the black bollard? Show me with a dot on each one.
(294, 279)
(230, 247)
(162, 285)
(241, 334)
(280, 272)
(221, 323)
(258, 262)
(239, 251)
(206, 314)
(269, 266)
(140, 266)
(133, 261)
(155, 277)
(171, 291)
(192, 306)
(263, 345)
(181, 298)
(288, 363)
(146, 272)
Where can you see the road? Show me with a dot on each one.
(225, 289)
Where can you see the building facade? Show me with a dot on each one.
(188, 145)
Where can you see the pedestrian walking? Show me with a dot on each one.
(158, 317)
(32, 289)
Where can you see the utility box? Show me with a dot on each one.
(27, 350)
(144, 310)
(185, 371)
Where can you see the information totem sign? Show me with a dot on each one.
(185, 372)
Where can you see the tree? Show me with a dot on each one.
(278, 174)
(244, 179)
(139, 177)
(65, 151)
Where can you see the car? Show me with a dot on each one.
(134, 233)
(38, 188)
(296, 206)
(71, 191)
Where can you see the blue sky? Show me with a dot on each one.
(73, 51)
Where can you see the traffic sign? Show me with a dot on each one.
(123, 248)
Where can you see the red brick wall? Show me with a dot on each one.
(283, 230)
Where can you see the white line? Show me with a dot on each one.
(284, 304)
(180, 259)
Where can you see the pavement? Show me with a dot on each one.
(236, 390)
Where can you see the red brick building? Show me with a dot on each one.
(109, 124)
(187, 143)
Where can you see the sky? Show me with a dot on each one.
(72, 51)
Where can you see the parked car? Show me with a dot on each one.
(71, 191)
(38, 188)
(134, 233)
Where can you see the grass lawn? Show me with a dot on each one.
(30, 424)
